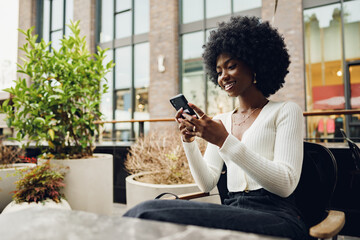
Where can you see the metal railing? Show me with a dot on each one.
(141, 122)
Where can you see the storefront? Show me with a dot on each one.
(332, 54)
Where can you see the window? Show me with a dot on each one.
(124, 27)
(198, 19)
(193, 74)
(332, 54)
(56, 15)
(214, 8)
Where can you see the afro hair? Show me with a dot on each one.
(255, 43)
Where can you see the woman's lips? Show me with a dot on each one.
(228, 86)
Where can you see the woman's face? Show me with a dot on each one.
(234, 76)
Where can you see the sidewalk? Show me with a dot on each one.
(119, 209)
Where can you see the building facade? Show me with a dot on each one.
(157, 46)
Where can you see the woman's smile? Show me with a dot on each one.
(229, 86)
(234, 76)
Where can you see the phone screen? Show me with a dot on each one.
(179, 101)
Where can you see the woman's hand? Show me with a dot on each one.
(210, 130)
(184, 126)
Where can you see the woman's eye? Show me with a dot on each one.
(232, 66)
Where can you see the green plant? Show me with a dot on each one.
(39, 183)
(60, 103)
(163, 155)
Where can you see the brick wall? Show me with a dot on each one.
(27, 19)
(163, 39)
(84, 10)
(288, 20)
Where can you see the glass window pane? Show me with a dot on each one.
(192, 10)
(355, 99)
(55, 39)
(141, 108)
(355, 85)
(193, 87)
(323, 58)
(123, 66)
(192, 45)
(141, 78)
(323, 63)
(107, 21)
(123, 24)
(106, 105)
(69, 15)
(193, 84)
(242, 5)
(215, 8)
(122, 5)
(142, 101)
(352, 50)
(208, 31)
(142, 16)
(123, 112)
(141, 65)
(352, 30)
(46, 21)
(57, 14)
(218, 100)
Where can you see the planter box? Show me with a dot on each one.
(137, 192)
(7, 182)
(14, 207)
(89, 183)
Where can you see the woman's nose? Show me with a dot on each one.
(224, 76)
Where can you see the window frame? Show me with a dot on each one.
(204, 25)
(115, 43)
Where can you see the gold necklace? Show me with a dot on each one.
(246, 118)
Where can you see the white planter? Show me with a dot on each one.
(13, 206)
(137, 192)
(7, 182)
(89, 183)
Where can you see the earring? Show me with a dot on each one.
(254, 81)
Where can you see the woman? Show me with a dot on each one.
(260, 141)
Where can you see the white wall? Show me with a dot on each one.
(9, 18)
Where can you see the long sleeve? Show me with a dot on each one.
(268, 156)
(205, 170)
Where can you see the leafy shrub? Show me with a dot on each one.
(163, 155)
(59, 104)
(39, 183)
(10, 154)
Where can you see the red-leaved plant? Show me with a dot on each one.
(40, 183)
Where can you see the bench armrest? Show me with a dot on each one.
(330, 226)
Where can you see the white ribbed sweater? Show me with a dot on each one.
(269, 155)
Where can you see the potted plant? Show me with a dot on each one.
(157, 164)
(39, 187)
(12, 157)
(56, 108)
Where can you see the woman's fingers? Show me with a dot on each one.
(178, 115)
(200, 113)
(189, 117)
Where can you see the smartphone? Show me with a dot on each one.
(179, 101)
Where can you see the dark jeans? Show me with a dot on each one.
(256, 211)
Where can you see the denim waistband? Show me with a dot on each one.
(258, 192)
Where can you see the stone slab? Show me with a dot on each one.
(55, 224)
